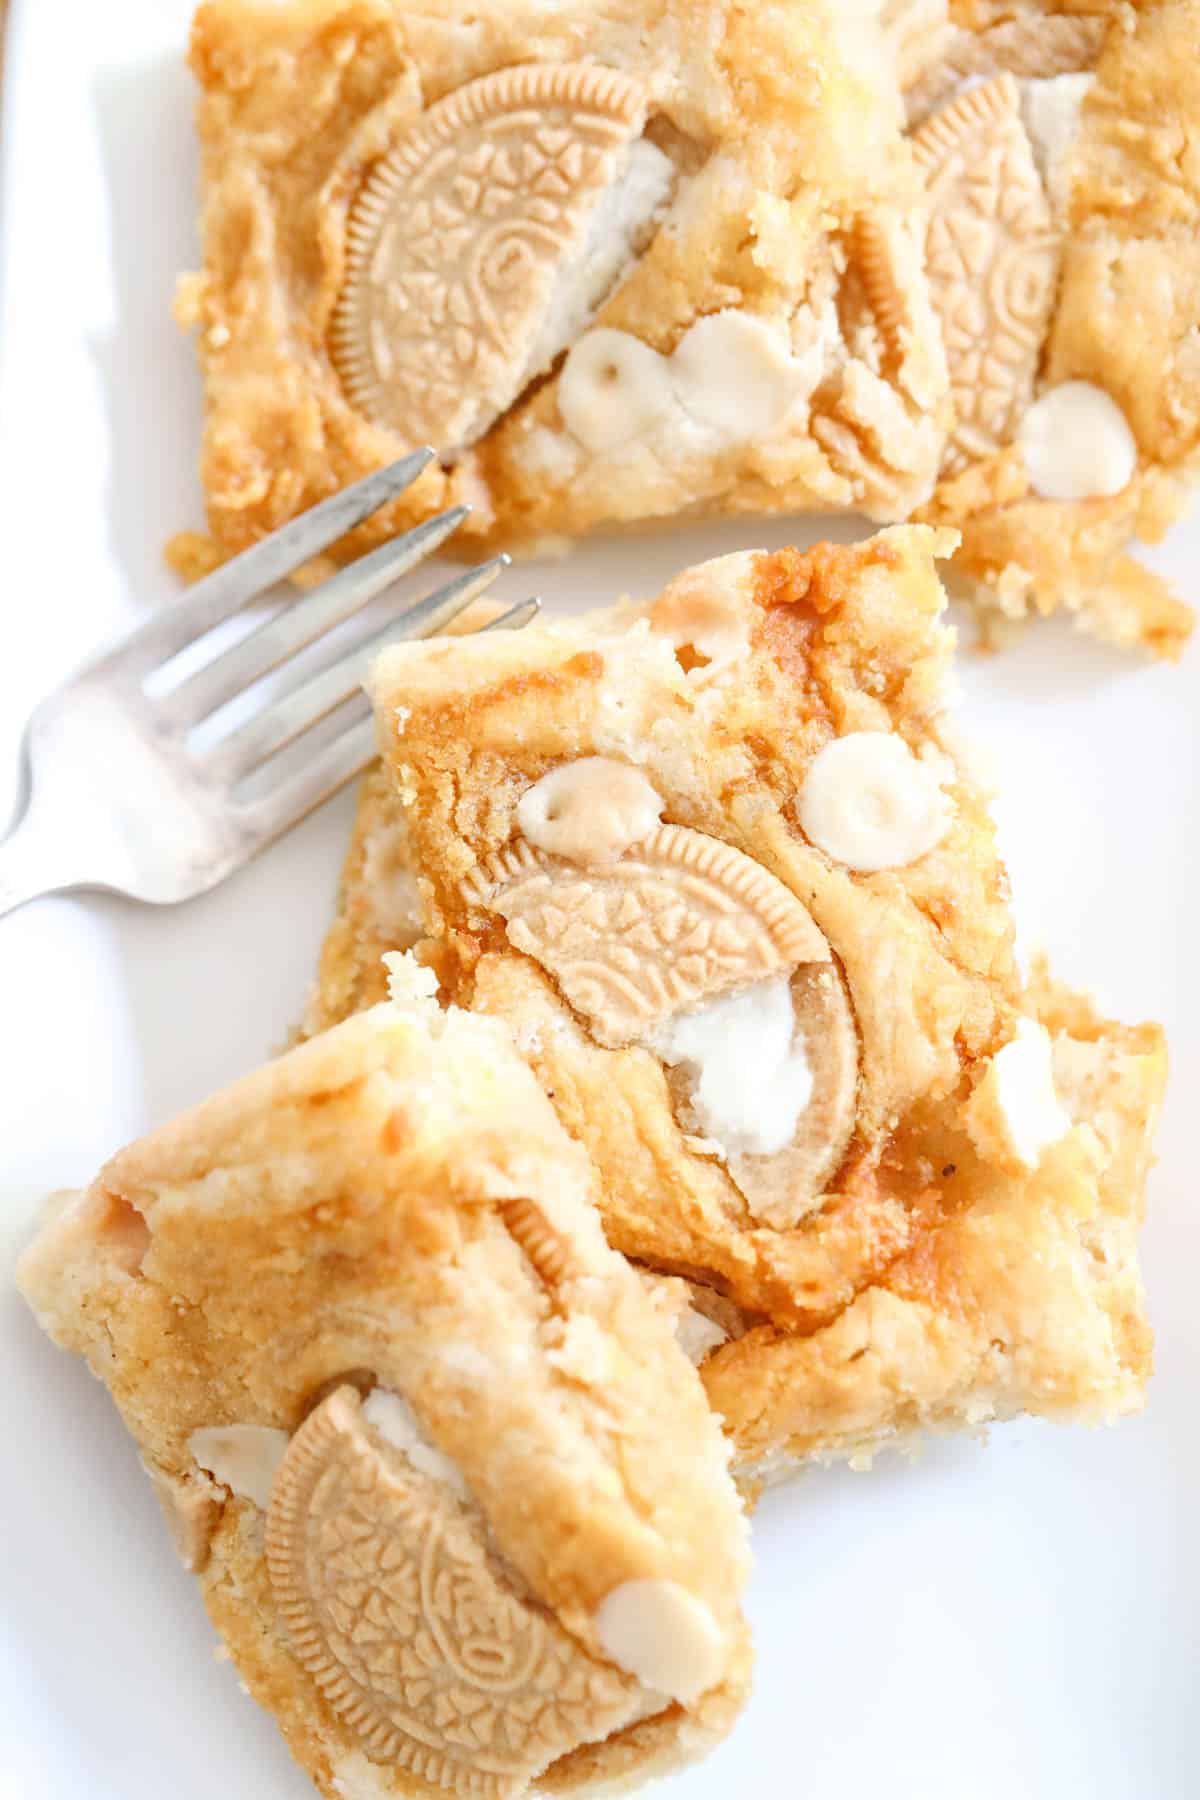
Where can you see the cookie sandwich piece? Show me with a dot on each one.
(453, 1493)
(719, 863)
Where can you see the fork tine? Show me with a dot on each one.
(284, 806)
(349, 754)
(303, 621)
(458, 593)
(521, 614)
(251, 743)
(253, 571)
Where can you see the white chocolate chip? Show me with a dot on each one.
(613, 389)
(867, 802)
(749, 1077)
(737, 375)
(731, 377)
(1051, 111)
(709, 607)
(392, 1417)
(663, 1635)
(1077, 444)
(243, 1458)
(1021, 1084)
(528, 287)
(589, 811)
(617, 229)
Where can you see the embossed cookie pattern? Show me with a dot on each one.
(679, 919)
(453, 242)
(992, 258)
(408, 1628)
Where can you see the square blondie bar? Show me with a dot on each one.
(720, 863)
(449, 1484)
(676, 257)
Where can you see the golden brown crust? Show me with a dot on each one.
(915, 1247)
(360, 1214)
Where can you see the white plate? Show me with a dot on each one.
(1015, 1619)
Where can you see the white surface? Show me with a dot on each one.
(1015, 1620)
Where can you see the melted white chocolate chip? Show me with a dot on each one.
(589, 811)
(613, 389)
(749, 1077)
(867, 802)
(1077, 444)
(737, 375)
(1022, 1080)
(243, 1458)
(732, 377)
(663, 1635)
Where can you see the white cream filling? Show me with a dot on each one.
(750, 1079)
(1025, 1095)
(1051, 113)
(392, 1417)
(663, 1635)
(243, 1458)
(776, 1467)
(616, 232)
(869, 803)
(608, 240)
(731, 378)
(1077, 444)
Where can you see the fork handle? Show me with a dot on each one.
(29, 866)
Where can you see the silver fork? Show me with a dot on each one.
(122, 798)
